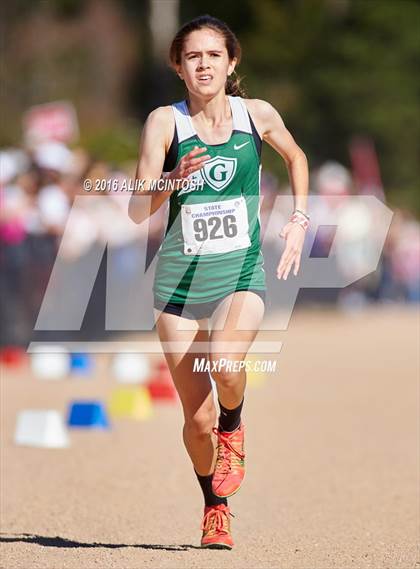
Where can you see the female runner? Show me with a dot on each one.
(210, 268)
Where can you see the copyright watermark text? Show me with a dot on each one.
(141, 185)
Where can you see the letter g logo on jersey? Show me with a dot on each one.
(219, 172)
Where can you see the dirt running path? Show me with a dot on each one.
(332, 479)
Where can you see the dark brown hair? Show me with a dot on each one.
(233, 86)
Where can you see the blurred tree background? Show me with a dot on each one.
(333, 69)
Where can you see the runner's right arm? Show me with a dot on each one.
(155, 141)
(153, 146)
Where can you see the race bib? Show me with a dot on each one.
(215, 227)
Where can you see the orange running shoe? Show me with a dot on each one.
(230, 464)
(216, 527)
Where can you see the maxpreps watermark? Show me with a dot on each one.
(143, 185)
(223, 364)
(354, 253)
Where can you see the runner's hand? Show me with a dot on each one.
(190, 163)
(295, 236)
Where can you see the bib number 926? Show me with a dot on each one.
(215, 228)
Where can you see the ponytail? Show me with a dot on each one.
(233, 86)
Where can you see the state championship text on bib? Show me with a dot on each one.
(215, 227)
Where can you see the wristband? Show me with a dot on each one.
(300, 219)
(303, 213)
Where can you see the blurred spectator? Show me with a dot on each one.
(14, 205)
(400, 275)
(330, 182)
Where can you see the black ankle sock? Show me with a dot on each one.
(230, 419)
(210, 499)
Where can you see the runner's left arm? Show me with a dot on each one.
(272, 129)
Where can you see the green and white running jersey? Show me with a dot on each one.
(212, 241)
